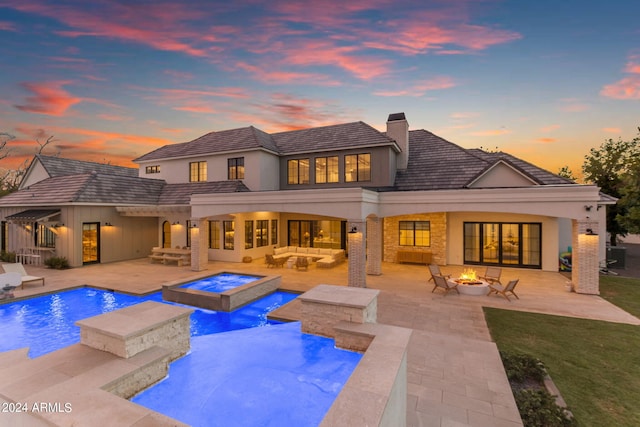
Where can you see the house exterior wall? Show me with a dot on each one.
(550, 233)
(502, 176)
(438, 227)
(36, 173)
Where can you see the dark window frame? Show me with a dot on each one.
(235, 168)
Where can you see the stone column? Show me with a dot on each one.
(584, 257)
(199, 244)
(357, 253)
(374, 246)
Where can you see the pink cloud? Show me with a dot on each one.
(626, 88)
(572, 105)
(420, 88)
(611, 130)
(269, 75)
(546, 140)
(7, 26)
(48, 98)
(549, 128)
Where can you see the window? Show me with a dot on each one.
(509, 244)
(357, 167)
(4, 235)
(298, 171)
(214, 234)
(188, 233)
(326, 169)
(274, 231)
(262, 232)
(152, 169)
(248, 234)
(197, 171)
(415, 233)
(229, 232)
(235, 168)
(45, 237)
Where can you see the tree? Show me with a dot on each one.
(609, 167)
(10, 179)
(630, 200)
(565, 172)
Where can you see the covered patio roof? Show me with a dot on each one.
(33, 215)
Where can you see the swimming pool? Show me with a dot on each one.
(220, 282)
(243, 369)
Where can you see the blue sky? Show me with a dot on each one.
(112, 80)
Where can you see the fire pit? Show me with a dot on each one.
(469, 284)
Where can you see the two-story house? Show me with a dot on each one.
(394, 196)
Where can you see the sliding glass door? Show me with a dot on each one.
(508, 244)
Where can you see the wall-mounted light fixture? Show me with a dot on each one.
(108, 224)
(176, 223)
(58, 225)
(589, 232)
(194, 225)
(353, 230)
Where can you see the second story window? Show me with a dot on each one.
(235, 168)
(298, 171)
(326, 169)
(357, 167)
(197, 171)
(152, 169)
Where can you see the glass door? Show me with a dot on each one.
(90, 242)
(508, 244)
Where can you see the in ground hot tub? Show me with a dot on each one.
(223, 291)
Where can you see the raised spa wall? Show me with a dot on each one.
(224, 301)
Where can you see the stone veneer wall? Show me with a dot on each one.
(438, 248)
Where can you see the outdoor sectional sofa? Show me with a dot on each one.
(325, 258)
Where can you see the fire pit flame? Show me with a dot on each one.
(468, 274)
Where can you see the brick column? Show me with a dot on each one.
(584, 257)
(374, 246)
(357, 254)
(199, 244)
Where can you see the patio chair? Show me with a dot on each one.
(302, 262)
(435, 271)
(504, 290)
(492, 275)
(274, 262)
(19, 268)
(444, 284)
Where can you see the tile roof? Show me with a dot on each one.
(437, 164)
(180, 194)
(325, 138)
(33, 214)
(334, 137)
(215, 142)
(58, 166)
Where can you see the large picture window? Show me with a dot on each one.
(357, 167)
(262, 232)
(235, 168)
(508, 244)
(298, 171)
(326, 169)
(248, 234)
(229, 234)
(274, 231)
(414, 233)
(197, 171)
(214, 234)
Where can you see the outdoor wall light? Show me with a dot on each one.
(588, 207)
(590, 232)
(108, 224)
(353, 230)
(176, 223)
(194, 225)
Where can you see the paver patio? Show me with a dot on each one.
(455, 374)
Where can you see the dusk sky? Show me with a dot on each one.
(545, 80)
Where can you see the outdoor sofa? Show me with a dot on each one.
(324, 258)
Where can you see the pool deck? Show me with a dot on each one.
(454, 371)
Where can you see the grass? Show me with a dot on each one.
(595, 364)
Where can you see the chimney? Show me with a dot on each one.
(398, 130)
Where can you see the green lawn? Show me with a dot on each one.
(596, 365)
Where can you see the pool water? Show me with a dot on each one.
(243, 369)
(220, 282)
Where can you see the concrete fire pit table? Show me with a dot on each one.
(476, 287)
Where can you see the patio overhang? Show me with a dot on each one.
(33, 215)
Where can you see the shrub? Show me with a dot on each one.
(58, 263)
(538, 408)
(522, 367)
(7, 256)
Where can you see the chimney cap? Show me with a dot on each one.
(396, 117)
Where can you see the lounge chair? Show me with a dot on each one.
(492, 275)
(274, 262)
(504, 290)
(19, 268)
(444, 284)
(435, 271)
(302, 262)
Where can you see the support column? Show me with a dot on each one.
(199, 244)
(356, 236)
(374, 246)
(584, 257)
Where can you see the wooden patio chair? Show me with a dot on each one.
(492, 275)
(435, 271)
(302, 262)
(274, 262)
(504, 290)
(442, 283)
